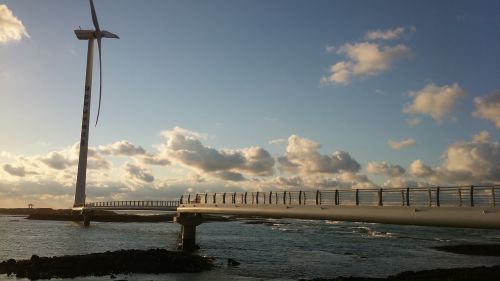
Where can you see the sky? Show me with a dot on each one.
(249, 95)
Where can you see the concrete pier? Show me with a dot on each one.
(189, 222)
(87, 217)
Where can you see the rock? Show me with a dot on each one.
(231, 262)
(153, 261)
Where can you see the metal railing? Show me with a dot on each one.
(132, 204)
(449, 196)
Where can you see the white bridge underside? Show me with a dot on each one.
(469, 217)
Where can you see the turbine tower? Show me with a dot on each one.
(90, 36)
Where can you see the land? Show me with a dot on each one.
(98, 215)
(153, 261)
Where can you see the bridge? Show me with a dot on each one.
(452, 206)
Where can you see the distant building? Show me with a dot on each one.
(30, 206)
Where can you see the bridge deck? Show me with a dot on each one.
(462, 206)
(132, 205)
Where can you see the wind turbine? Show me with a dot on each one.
(90, 36)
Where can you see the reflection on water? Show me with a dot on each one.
(279, 249)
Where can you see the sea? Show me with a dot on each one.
(267, 249)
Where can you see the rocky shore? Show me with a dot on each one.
(153, 261)
(453, 274)
(98, 216)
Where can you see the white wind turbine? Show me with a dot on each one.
(90, 36)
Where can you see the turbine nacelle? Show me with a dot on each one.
(85, 34)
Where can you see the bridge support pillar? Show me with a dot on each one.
(87, 216)
(189, 222)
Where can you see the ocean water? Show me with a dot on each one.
(279, 249)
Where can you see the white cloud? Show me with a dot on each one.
(330, 49)
(437, 102)
(472, 162)
(185, 147)
(402, 143)
(364, 59)
(11, 28)
(278, 141)
(383, 168)
(388, 34)
(302, 157)
(483, 136)
(419, 169)
(488, 108)
(121, 148)
(413, 121)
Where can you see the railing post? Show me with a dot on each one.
(289, 198)
(284, 197)
(257, 198)
(270, 197)
(472, 196)
(357, 197)
(437, 197)
(224, 198)
(460, 197)
(493, 199)
(206, 198)
(189, 198)
(245, 197)
(402, 197)
(407, 196)
(215, 198)
(317, 197)
(337, 197)
(276, 198)
(300, 197)
(430, 196)
(234, 198)
(380, 200)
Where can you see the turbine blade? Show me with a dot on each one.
(94, 17)
(108, 34)
(100, 79)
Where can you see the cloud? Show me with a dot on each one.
(18, 171)
(278, 141)
(302, 157)
(364, 59)
(388, 34)
(414, 121)
(330, 49)
(185, 147)
(402, 143)
(229, 176)
(483, 136)
(488, 108)
(11, 28)
(420, 170)
(155, 160)
(138, 173)
(472, 162)
(121, 148)
(383, 168)
(56, 160)
(435, 101)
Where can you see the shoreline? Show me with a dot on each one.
(153, 261)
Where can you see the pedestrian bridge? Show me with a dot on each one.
(133, 205)
(452, 206)
(455, 206)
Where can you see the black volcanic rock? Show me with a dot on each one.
(153, 261)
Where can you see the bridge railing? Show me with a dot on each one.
(132, 204)
(449, 196)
